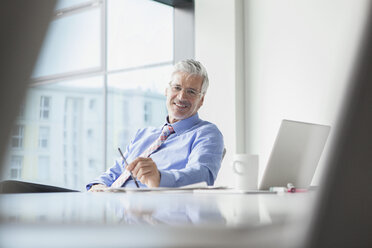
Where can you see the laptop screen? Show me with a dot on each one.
(295, 154)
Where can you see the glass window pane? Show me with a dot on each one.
(69, 150)
(43, 137)
(60, 136)
(72, 44)
(16, 167)
(139, 33)
(128, 94)
(43, 168)
(44, 107)
(154, 79)
(13, 173)
(17, 136)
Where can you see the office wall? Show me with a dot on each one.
(299, 56)
(218, 45)
(297, 60)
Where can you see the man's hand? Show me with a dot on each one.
(97, 188)
(146, 171)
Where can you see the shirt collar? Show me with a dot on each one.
(183, 125)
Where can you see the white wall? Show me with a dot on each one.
(217, 48)
(299, 56)
(297, 59)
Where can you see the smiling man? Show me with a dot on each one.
(183, 151)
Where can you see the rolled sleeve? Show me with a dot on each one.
(203, 162)
(167, 178)
(109, 176)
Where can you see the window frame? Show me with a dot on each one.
(16, 167)
(102, 70)
(19, 136)
(44, 137)
(43, 108)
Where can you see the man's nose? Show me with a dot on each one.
(182, 94)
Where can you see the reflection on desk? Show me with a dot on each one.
(172, 213)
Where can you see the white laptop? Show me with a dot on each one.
(295, 155)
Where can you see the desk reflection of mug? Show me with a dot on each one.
(245, 167)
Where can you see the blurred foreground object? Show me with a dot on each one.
(343, 216)
(23, 25)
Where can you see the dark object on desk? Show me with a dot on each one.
(11, 186)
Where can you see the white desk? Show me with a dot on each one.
(152, 219)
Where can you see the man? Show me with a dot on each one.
(185, 150)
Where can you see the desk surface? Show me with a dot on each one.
(151, 219)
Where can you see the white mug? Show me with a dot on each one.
(245, 167)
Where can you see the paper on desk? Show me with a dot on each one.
(187, 188)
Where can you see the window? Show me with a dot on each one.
(147, 112)
(148, 42)
(125, 112)
(16, 167)
(17, 136)
(100, 75)
(43, 137)
(148, 39)
(44, 107)
(92, 164)
(124, 138)
(72, 43)
(92, 104)
(90, 133)
(43, 168)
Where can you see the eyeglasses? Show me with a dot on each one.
(189, 92)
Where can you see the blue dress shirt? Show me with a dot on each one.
(192, 154)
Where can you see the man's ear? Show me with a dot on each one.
(166, 92)
(201, 101)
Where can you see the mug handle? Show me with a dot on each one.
(234, 168)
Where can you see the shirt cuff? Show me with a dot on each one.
(93, 183)
(166, 179)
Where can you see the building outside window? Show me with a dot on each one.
(90, 133)
(17, 136)
(92, 104)
(125, 112)
(44, 107)
(147, 112)
(91, 164)
(16, 167)
(43, 137)
(102, 70)
(43, 169)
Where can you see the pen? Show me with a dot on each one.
(292, 189)
(126, 164)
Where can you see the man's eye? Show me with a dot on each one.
(177, 88)
(192, 92)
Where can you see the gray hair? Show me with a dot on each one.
(193, 67)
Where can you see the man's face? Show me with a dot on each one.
(183, 96)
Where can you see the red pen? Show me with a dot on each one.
(292, 189)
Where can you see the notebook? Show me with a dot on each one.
(295, 154)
